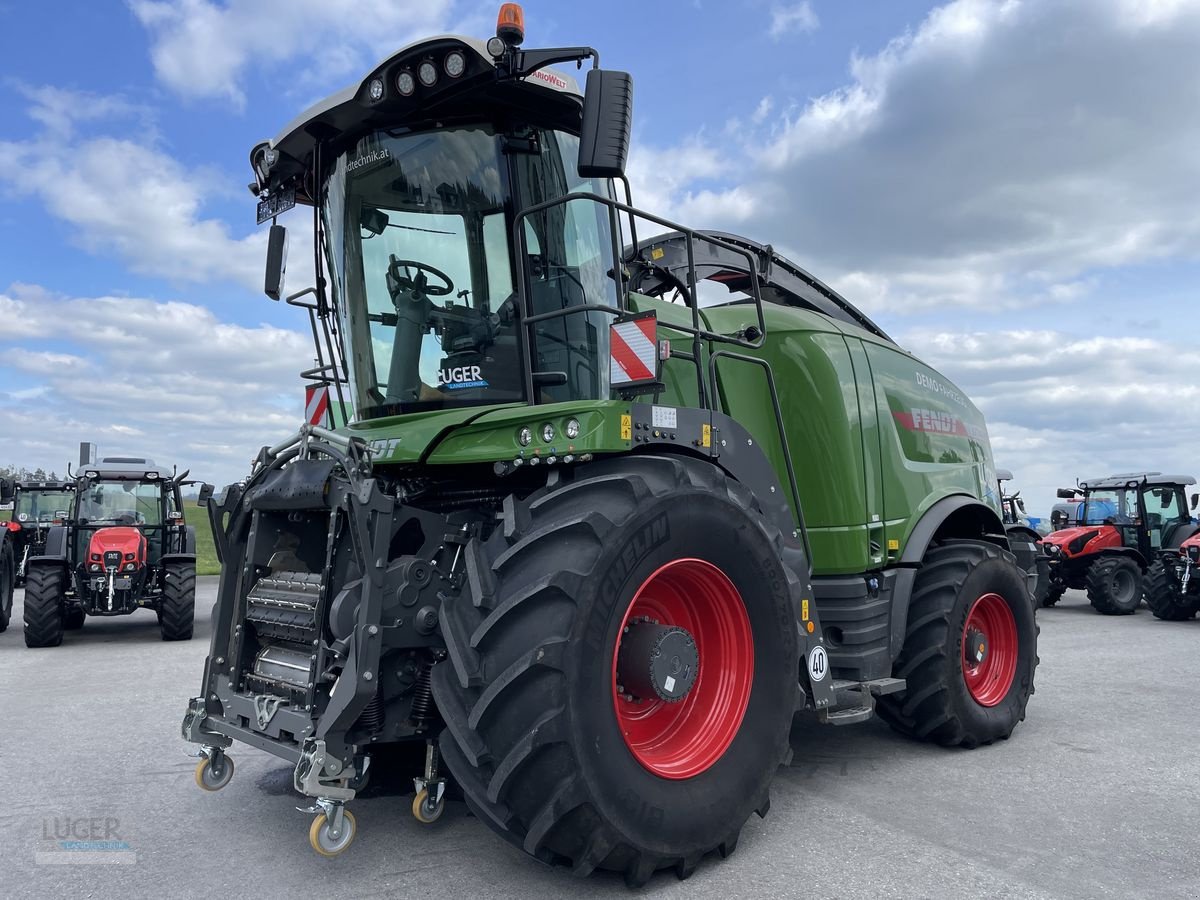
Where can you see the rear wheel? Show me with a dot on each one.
(1165, 598)
(45, 594)
(177, 605)
(1114, 585)
(621, 682)
(1052, 594)
(970, 650)
(8, 577)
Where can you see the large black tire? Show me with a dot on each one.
(1052, 594)
(936, 704)
(73, 618)
(8, 578)
(45, 592)
(1165, 599)
(177, 605)
(527, 693)
(1114, 586)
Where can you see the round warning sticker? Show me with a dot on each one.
(818, 663)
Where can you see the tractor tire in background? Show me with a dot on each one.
(1114, 586)
(1029, 560)
(577, 600)
(8, 578)
(45, 593)
(970, 650)
(1165, 599)
(1052, 594)
(73, 618)
(177, 605)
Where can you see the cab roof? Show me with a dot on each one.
(1130, 479)
(126, 467)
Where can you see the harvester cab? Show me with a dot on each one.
(37, 506)
(576, 545)
(1121, 525)
(123, 547)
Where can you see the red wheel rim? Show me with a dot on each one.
(989, 650)
(682, 739)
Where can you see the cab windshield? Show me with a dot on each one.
(41, 506)
(418, 229)
(117, 502)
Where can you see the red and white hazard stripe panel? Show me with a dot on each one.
(316, 404)
(633, 351)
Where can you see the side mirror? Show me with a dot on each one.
(1195, 500)
(206, 492)
(277, 245)
(1066, 493)
(607, 121)
(8, 491)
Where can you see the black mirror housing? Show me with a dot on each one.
(1066, 493)
(8, 491)
(277, 244)
(607, 122)
(206, 492)
(1195, 500)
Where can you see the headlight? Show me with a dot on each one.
(572, 429)
(405, 83)
(427, 72)
(129, 567)
(94, 567)
(456, 63)
(128, 556)
(547, 432)
(525, 436)
(375, 89)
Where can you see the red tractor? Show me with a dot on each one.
(1173, 582)
(123, 548)
(1121, 524)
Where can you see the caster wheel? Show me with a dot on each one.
(321, 840)
(213, 777)
(425, 810)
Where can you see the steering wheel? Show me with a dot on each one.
(415, 282)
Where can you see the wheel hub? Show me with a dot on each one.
(656, 662)
(976, 649)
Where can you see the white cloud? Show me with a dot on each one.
(997, 156)
(1062, 404)
(202, 48)
(794, 18)
(166, 378)
(129, 198)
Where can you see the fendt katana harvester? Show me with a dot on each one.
(1121, 525)
(124, 547)
(37, 506)
(589, 544)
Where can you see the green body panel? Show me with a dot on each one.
(876, 437)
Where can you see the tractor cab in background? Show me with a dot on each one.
(1121, 524)
(37, 506)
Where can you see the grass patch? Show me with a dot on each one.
(206, 552)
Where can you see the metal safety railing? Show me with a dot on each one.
(707, 386)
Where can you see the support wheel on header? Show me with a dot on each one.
(214, 771)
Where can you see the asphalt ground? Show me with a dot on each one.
(1097, 794)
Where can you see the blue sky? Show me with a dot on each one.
(1008, 187)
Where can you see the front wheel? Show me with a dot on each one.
(177, 606)
(7, 581)
(970, 650)
(620, 686)
(1114, 586)
(45, 594)
(1165, 598)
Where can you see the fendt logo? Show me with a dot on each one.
(461, 377)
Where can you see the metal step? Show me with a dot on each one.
(866, 692)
